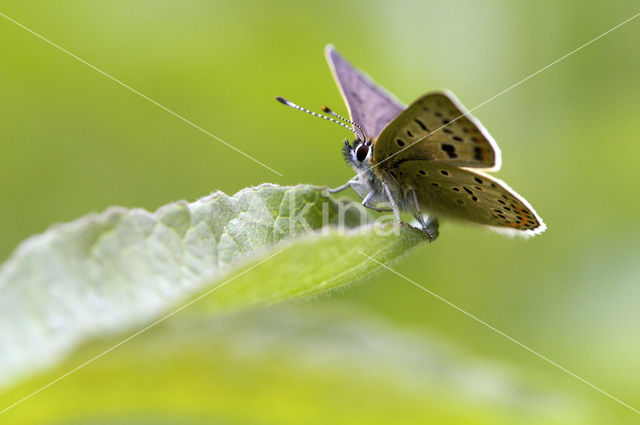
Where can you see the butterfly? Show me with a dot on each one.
(428, 158)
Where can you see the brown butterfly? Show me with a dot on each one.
(430, 157)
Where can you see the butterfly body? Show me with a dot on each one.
(366, 180)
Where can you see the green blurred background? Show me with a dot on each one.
(74, 142)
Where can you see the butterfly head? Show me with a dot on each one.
(359, 154)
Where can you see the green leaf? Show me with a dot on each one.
(326, 365)
(113, 271)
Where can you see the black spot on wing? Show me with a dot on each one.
(449, 149)
(421, 124)
(477, 153)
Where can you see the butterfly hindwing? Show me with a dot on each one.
(436, 128)
(369, 105)
(463, 194)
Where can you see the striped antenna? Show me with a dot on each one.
(330, 112)
(300, 108)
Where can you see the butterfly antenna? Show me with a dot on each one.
(300, 108)
(330, 112)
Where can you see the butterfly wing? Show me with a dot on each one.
(436, 128)
(369, 104)
(444, 190)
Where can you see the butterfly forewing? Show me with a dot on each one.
(369, 105)
(447, 191)
(436, 128)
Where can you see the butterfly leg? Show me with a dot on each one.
(347, 185)
(418, 212)
(392, 201)
(430, 227)
(365, 202)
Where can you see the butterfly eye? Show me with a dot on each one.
(362, 152)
